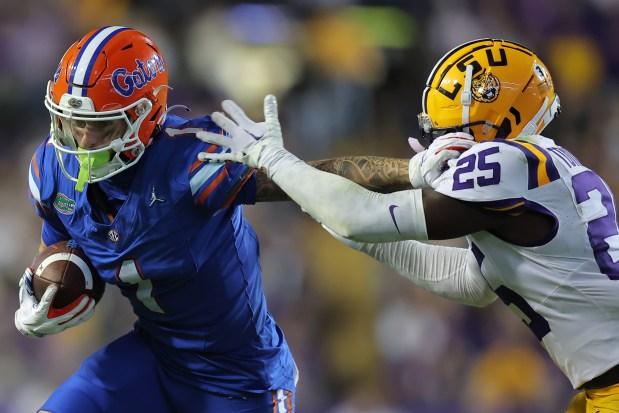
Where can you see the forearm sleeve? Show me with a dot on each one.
(347, 208)
(446, 271)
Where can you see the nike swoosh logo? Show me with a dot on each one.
(391, 211)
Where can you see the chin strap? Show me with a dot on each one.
(465, 97)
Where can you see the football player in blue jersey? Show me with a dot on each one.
(541, 227)
(120, 175)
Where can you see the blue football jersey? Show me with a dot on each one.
(181, 251)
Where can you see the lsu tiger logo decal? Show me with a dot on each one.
(485, 87)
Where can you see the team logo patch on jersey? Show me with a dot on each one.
(113, 235)
(485, 87)
(64, 204)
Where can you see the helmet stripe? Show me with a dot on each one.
(87, 57)
(75, 64)
(451, 53)
(441, 62)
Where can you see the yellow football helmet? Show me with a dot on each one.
(491, 89)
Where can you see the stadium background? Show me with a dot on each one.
(348, 76)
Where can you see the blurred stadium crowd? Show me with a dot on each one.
(349, 76)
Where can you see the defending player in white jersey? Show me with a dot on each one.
(541, 227)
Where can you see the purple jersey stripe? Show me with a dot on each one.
(479, 256)
(520, 205)
(536, 179)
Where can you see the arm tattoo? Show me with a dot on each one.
(267, 190)
(375, 173)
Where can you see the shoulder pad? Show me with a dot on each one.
(497, 170)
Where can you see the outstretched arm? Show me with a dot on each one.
(450, 272)
(344, 206)
(371, 218)
(379, 174)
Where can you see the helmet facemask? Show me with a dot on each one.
(121, 147)
(430, 133)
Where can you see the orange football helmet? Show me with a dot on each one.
(489, 88)
(113, 73)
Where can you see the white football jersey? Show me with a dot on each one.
(566, 287)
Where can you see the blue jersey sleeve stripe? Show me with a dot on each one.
(207, 189)
(34, 180)
(203, 174)
(39, 209)
(35, 185)
(237, 188)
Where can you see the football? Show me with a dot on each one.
(67, 266)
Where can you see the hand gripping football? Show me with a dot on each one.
(67, 266)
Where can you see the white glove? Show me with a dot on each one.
(38, 319)
(247, 138)
(425, 167)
